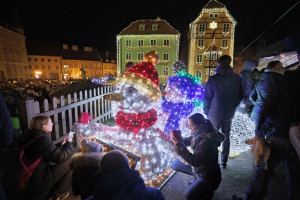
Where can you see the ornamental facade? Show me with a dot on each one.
(210, 35)
(143, 36)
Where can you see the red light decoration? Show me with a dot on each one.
(147, 70)
(135, 122)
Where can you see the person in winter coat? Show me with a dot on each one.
(85, 168)
(223, 93)
(54, 171)
(255, 74)
(248, 85)
(6, 134)
(117, 181)
(204, 141)
(271, 116)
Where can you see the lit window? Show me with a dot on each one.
(166, 71)
(128, 43)
(199, 58)
(166, 56)
(212, 55)
(201, 28)
(141, 43)
(198, 74)
(153, 42)
(166, 42)
(140, 56)
(154, 27)
(128, 56)
(226, 27)
(142, 27)
(224, 43)
(201, 43)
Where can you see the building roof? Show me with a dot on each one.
(163, 28)
(214, 4)
(43, 48)
(80, 54)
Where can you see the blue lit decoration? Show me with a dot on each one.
(187, 93)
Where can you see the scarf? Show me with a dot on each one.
(135, 122)
(177, 111)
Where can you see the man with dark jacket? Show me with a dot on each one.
(117, 181)
(6, 134)
(248, 85)
(271, 116)
(223, 93)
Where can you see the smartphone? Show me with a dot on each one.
(177, 134)
(71, 134)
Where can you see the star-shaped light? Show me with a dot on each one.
(213, 25)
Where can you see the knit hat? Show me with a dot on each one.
(144, 77)
(91, 146)
(114, 161)
(84, 118)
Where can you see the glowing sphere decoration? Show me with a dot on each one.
(152, 57)
(178, 67)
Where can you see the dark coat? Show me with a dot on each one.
(223, 93)
(125, 184)
(272, 105)
(6, 134)
(85, 169)
(205, 145)
(44, 148)
(247, 81)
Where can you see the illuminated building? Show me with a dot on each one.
(13, 58)
(210, 35)
(143, 36)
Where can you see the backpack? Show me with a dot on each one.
(16, 169)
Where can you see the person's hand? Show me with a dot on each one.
(173, 138)
(255, 138)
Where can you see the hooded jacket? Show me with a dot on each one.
(247, 81)
(125, 184)
(223, 93)
(204, 159)
(272, 105)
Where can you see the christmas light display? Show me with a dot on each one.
(178, 67)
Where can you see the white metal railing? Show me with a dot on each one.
(64, 111)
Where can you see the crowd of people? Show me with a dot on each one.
(271, 98)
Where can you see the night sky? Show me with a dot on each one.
(97, 24)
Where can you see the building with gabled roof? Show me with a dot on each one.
(210, 35)
(143, 36)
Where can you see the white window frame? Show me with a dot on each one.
(140, 56)
(166, 42)
(212, 55)
(216, 15)
(207, 71)
(199, 58)
(199, 74)
(201, 43)
(166, 71)
(211, 15)
(154, 27)
(142, 41)
(142, 27)
(226, 27)
(168, 56)
(202, 28)
(155, 43)
(128, 56)
(128, 43)
(225, 43)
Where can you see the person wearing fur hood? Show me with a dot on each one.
(204, 142)
(86, 167)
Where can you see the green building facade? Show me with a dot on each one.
(143, 36)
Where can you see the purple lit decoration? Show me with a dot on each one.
(178, 67)
(188, 85)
